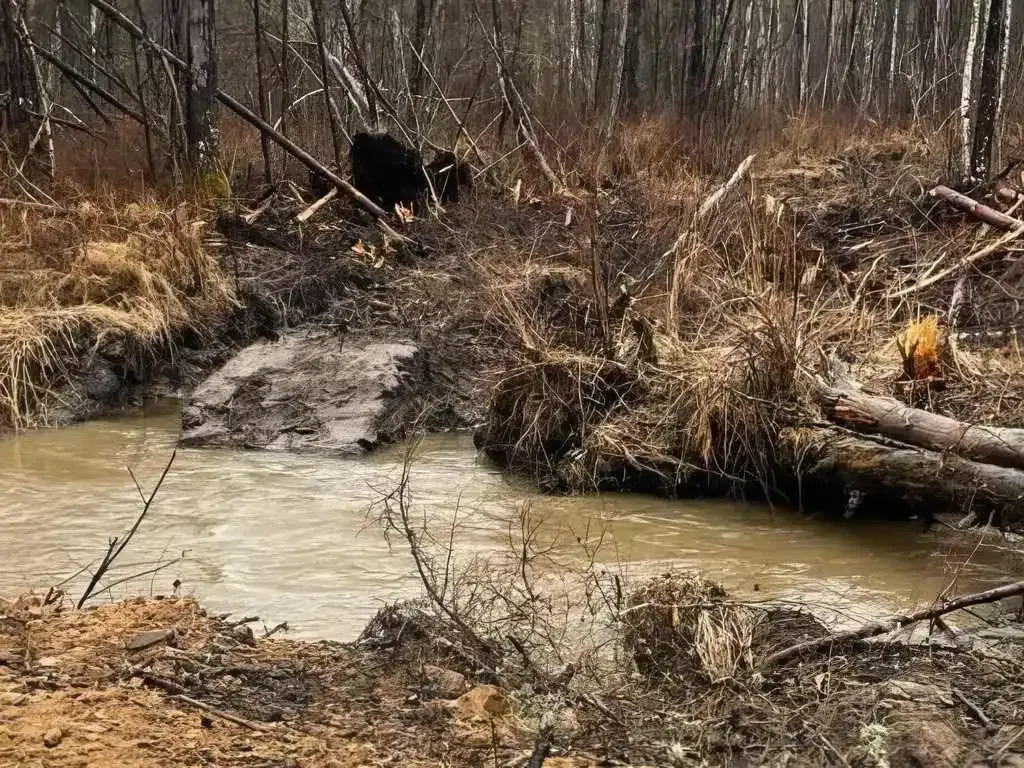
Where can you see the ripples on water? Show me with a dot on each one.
(287, 537)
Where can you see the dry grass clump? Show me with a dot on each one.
(83, 279)
(679, 388)
(681, 623)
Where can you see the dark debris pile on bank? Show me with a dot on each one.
(766, 349)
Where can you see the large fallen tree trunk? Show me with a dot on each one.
(849, 405)
(893, 476)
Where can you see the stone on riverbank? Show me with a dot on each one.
(314, 390)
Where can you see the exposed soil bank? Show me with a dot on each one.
(161, 683)
(291, 282)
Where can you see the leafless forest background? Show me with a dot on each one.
(104, 81)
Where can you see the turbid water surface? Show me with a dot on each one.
(287, 537)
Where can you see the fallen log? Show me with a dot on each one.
(896, 622)
(891, 476)
(976, 209)
(849, 405)
(316, 206)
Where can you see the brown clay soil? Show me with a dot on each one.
(73, 693)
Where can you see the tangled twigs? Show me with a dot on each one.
(974, 258)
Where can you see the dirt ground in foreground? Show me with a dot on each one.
(159, 682)
(73, 692)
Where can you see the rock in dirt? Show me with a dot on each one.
(446, 682)
(143, 640)
(483, 701)
(52, 737)
(309, 390)
(243, 634)
(13, 699)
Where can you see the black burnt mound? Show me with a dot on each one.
(448, 176)
(388, 172)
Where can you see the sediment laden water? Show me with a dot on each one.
(288, 538)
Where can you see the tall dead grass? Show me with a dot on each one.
(683, 396)
(93, 277)
(715, 338)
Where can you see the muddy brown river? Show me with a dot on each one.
(287, 537)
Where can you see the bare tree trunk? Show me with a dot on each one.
(16, 90)
(891, 89)
(601, 52)
(268, 175)
(325, 77)
(94, 18)
(967, 88)
(1004, 62)
(200, 120)
(573, 52)
(695, 69)
(420, 32)
(285, 84)
(44, 133)
(988, 94)
(830, 36)
(805, 52)
(620, 57)
(629, 54)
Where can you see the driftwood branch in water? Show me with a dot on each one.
(887, 416)
(976, 209)
(896, 622)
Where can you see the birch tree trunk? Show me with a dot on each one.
(1004, 58)
(805, 52)
(967, 88)
(891, 89)
(573, 52)
(988, 94)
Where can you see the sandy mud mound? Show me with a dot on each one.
(314, 390)
(160, 683)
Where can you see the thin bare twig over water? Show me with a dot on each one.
(117, 544)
